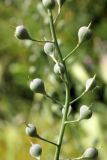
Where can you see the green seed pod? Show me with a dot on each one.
(90, 83)
(49, 48)
(49, 4)
(22, 33)
(31, 130)
(59, 68)
(37, 86)
(85, 112)
(84, 34)
(35, 150)
(90, 153)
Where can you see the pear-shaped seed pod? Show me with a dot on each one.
(59, 68)
(31, 130)
(90, 153)
(37, 86)
(90, 83)
(22, 33)
(49, 48)
(35, 150)
(49, 4)
(85, 112)
(84, 34)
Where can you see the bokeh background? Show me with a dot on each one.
(21, 61)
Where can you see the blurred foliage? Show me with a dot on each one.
(21, 61)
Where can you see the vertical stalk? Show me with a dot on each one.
(62, 129)
(54, 34)
(64, 118)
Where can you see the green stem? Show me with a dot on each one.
(75, 121)
(71, 53)
(54, 100)
(35, 40)
(43, 139)
(64, 118)
(54, 34)
(54, 59)
(76, 99)
(62, 129)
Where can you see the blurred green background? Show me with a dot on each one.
(21, 61)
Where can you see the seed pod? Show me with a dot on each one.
(90, 83)
(85, 112)
(31, 130)
(37, 86)
(35, 150)
(49, 48)
(90, 153)
(22, 33)
(49, 4)
(59, 68)
(84, 34)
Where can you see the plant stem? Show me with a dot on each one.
(54, 59)
(43, 139)
(75, 121)
(72, 52)
(64, 118)
(76, 99)
(62, 129)
(54, 34)
(54, 100)
(41, 41)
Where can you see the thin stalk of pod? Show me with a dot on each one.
(54, 59)
(71, 53)
(64, 118)
(76, 99)
(54, 100)
(75, 121)
(43, 139)
(41, 41)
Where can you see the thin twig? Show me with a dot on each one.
(43, 139)
(71, 53)
(42, 41)
(54, 100)
(76, 99)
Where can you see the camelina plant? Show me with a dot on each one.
(51, 48)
